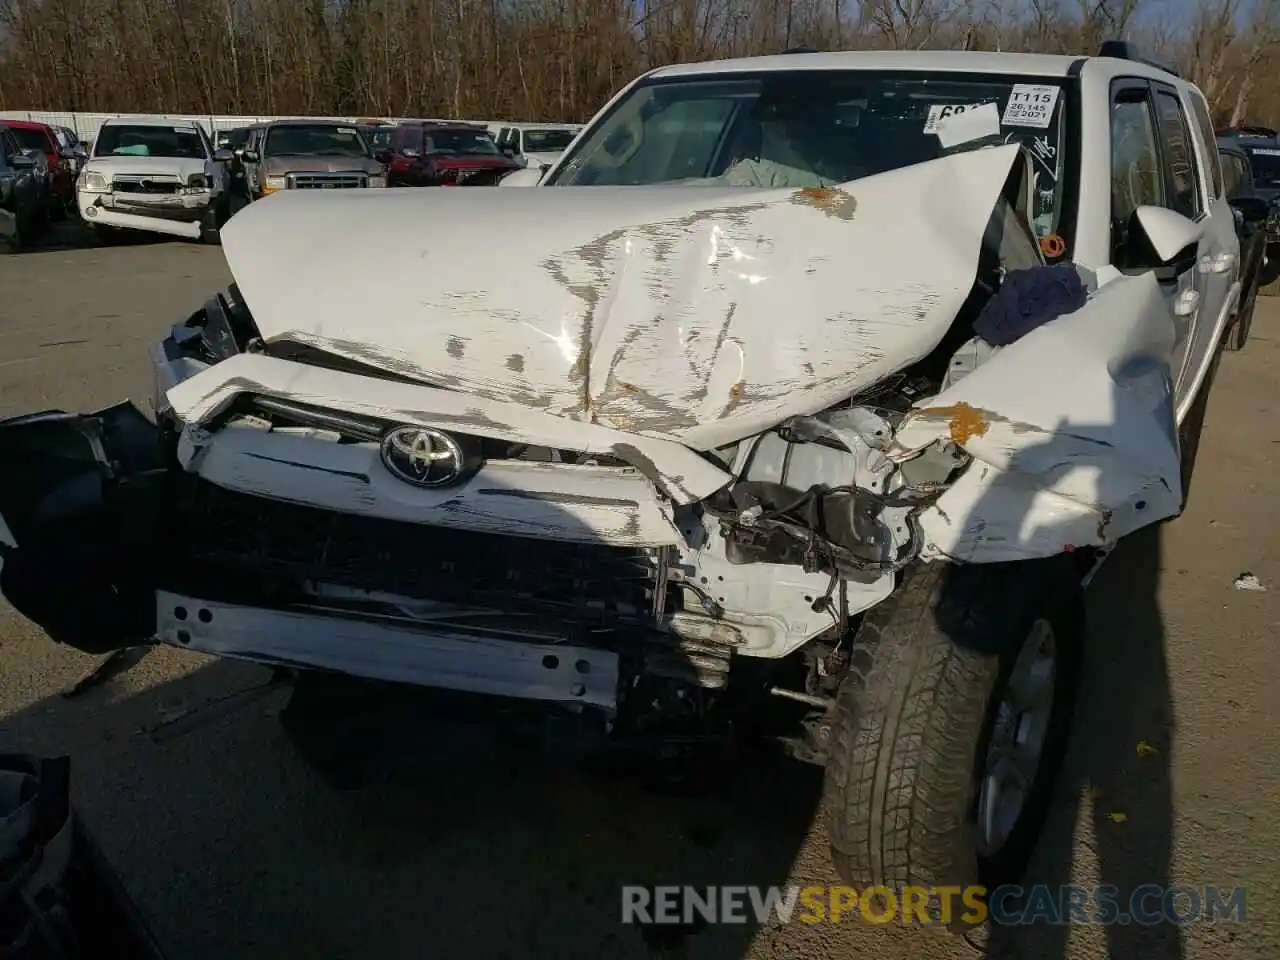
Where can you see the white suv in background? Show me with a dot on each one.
(156, 175)
(537, 145)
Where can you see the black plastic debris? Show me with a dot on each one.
(58, 898)
(1028, 299)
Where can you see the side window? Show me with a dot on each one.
(1231, 174)
(1179, 156)
(1201, 115)
(1136, 176)
(410, 139)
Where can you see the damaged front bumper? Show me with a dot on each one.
(258, 520)
(180, 214)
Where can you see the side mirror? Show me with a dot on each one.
(250, 156)
(509, 150)
(1168, 232)
(223, 155)
(22, 161)
(411, 153)
(382, 155)
(523, 177)
(1252, 210)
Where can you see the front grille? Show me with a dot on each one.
(283, 543)
(143, 184)
(464, 177)
(356, 428)
(326, 181)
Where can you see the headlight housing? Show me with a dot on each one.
(273, 183)
(377, 181)
(96, 182)
(198, 181)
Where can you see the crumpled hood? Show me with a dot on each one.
(278, 166)
(702, 314)
(136, 166)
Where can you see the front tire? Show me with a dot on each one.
(210, 228)
(960, 683)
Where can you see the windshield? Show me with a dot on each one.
(233, 139)
(314, 140)
(460, 142)
(812, 128)
(1266, 166)
(547, 141)
(29, 139)
(149, 141)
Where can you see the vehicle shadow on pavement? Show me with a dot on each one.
(1115, 787)
(230, 845)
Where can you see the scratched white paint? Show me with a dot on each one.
(1072, 431)
(554, 501)
(681, 473)
(700, 314)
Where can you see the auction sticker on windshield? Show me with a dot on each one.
(1264, 153)
(940, 111)
(1030, 105)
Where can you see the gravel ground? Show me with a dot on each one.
(232, 848)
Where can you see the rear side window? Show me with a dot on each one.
(1201, 114)
(1233, 174)
(1179, 156)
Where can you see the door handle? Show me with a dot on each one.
(1217, 263)
(1186, 303)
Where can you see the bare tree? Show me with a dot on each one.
(546, 59)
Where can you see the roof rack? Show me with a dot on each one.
(1124, 50)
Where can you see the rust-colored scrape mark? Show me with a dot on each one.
(966, 422)
(832, 202)
(735, 398)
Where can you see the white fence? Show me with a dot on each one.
(86, 124)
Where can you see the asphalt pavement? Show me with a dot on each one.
(233, 848)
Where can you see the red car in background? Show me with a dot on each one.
(425, 153)
(62, 173)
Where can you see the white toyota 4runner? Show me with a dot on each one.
(810, 418)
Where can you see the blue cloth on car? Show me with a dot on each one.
(1028, 299)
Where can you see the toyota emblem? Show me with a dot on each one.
(423, 457)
